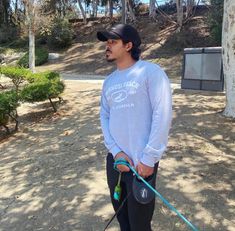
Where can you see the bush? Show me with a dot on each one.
(44, 86)
(61, 34)
(8, 33)
(8, 105)
(215, 19)
(16, 74)
(41, 57)
(42, 90)
(19, 43)
(39, 87)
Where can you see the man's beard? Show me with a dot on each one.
(110, 60)
(107, 57)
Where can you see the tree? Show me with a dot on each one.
(129, 5)
(215, 20)
(123, 11)
(30, 12)
(4, 11)
(180, 14)
(110, 8)
(152, 8)
(228, 45)
(82, 10)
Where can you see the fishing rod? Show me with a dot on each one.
(122, 161)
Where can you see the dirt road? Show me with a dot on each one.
(53, 170)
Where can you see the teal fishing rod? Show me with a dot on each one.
(122, 161)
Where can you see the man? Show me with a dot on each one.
(135, 119)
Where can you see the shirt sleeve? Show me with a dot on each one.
(161, 100)
(104, 118)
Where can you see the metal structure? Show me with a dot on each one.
(202, 69)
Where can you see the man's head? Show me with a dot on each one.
(127, 35)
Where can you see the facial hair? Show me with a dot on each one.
(107, 56)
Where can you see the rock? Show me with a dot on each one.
(53, 56)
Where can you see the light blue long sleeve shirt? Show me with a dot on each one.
(136, 112)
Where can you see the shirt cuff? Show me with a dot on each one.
(115, 150)
(148, 160)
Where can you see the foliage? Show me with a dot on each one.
(168, 7)
(42, 89)
(61, 34)
(215, 19)
(43, 86)
(16, 74)
(8, 33)
(8, 105)
(37, 87)
(41, 57)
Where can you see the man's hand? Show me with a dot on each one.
(120, 167)
(144, 170)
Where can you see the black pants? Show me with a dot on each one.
(133, 216)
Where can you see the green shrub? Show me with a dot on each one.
(41, 57)
(13, 72)
(52, 75)
(19, 43)
(61, 34)
(8, 106)
(43, 88)
(16, 74)
(215, 20)
(8, 33)
(37, 91)
(39, 87)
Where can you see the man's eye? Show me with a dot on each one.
(112, 41)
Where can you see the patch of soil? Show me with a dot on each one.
(53, 170)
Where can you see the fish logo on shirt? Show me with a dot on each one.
(119, 96)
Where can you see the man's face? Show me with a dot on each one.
(115, 50)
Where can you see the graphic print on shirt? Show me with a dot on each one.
(118, 94)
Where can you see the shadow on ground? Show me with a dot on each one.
(53, 178)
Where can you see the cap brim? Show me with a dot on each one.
(105, 35)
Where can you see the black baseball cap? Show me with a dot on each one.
(121, 31)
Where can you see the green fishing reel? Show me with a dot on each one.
(117, 193)
(118, 189)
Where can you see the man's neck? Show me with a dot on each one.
(125, 63)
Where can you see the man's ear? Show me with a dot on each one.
(129, 45)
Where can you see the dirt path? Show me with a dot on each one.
(53, 177)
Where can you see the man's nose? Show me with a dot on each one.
(107, 46)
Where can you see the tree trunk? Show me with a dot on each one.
(6, 5)
(31, 48)
(16, 7)
(180, 14)
(94, 8)
(228, 45)
(82, 10)
(30, 14)
(31, 17)
(123, 11)
(106, 10)
(131, 12)
(152, 9)
(111, 8)
(189, 7)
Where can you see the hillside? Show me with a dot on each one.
(53, 169)
(160, 44)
